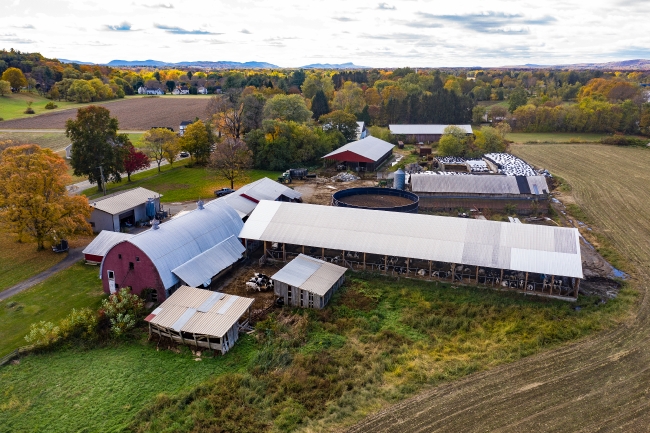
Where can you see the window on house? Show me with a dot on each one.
(111, 275)
(137, 259)
(119, 256)
(131, 266)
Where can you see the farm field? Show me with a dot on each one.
(55, 140)
(19, 261)
(53, 299)
(134, 114)
(379, 340)
(601, 383)
(554, 137)
(13, 106)
(179, 183)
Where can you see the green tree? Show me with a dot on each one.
(15, 77)
(287, 108)
(171, 85)
(478, 113)
(231, 159)
(349, 98)
(155, 141)
(95, 144)
(517, 98)
(315, 82)
(319, 104)
(196, 142)
(490, 140)
(5, 88)
(453, 142)
(81, 91)
(34, 201)
(344, 122)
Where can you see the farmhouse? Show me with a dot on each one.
(535, 259)
(362, 132)
(193, 249)
(308, 282)
(201, 318)
(184, 124)
(149, 91)
(202, 91)
(181, 90)
(122, 209)
(96, 250)
(449, 193)
(246, 198)
(366, 154)
(423, 133)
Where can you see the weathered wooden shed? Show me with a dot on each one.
(308, 282)
(201, 318)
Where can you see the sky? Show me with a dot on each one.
(416, 33)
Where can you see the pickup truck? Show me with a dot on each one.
(223, 191)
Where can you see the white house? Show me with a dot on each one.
(149, 91)
(202, 91)
(68, 151)
(183, 125)
(181, 90)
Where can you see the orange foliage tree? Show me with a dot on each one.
(34, 202)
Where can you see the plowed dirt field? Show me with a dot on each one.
(599, 384)
(133, 114)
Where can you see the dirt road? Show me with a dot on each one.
(599, 384)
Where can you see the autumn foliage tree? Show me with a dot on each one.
(15, 77)
(134, 160)
(157, 141)
(230, 159)
(34, 202)
(196, 142)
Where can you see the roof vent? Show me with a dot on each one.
(155, 224)
(199, 204)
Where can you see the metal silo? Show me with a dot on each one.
(400, 179)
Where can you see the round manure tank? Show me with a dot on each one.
(388, 199)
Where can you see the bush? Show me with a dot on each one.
(43, 334)
(122, 309)
(621, 140)
(29, 110)
(50, 106)
(81, 324)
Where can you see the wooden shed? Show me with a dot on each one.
(308, 282)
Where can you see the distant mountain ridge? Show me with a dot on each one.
(200, 64)
(348, 65)
(621, 65)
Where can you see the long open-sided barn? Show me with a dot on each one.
(423, 133)
(535, 259)
(308, 282)
(246, 198)
(366, 154)
(201, 318)
(197, 246)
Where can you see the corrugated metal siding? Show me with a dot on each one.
(104, 241)
(184, 304)
(425, 129)
(179, 240)
(203, 267)
(426, 237)
(483, 184)
(124, 201)
(370, 147)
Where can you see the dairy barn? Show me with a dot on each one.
(367, 154)
(533, 259)
(423, 133)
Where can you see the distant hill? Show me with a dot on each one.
(622, 65)
(198, 64)
(348, 65)
(75, 61)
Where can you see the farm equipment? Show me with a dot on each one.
(293, 173)
(61, 247)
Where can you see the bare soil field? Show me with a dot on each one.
(133, 114)
(376, 200)
(601, 383)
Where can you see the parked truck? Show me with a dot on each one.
(293, 173)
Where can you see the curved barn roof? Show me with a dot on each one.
(179, 240)
(371, 148)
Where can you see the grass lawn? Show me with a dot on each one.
(554, 137)
(21, 261)
(179, 183)
(13, 106)
(379, 340)
(53, 299)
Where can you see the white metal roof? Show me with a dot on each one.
(123, 201)
(200, 269)
(478, 184)
(200, 311)
(179, 240)
(104, 241)
(312, 275)
(425, 129)
(246, 198)
(370, 147)
(520, 247)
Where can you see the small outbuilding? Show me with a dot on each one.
(122, 209)
(308, 282)
(96, 250)
(366, 154)
(201, 318)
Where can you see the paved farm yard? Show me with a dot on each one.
(599, 384)
(132, 113)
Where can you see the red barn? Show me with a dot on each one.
(189, 249)
(366, 154)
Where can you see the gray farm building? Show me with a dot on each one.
(308, 282)
(534, 259)
(96, 250)
(366, 154)
(494, 192)
(201, 318)
(423, 133)
(122, 208)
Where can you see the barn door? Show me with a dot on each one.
(111, 281)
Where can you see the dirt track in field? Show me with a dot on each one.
(133, 114)
(599, 384)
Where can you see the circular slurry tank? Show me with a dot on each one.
(389, 199)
